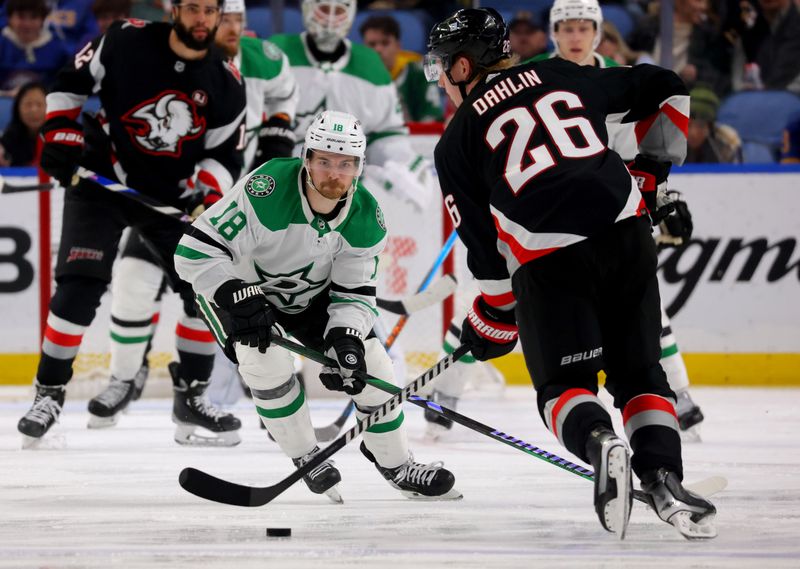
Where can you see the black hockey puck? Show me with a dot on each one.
(279, 532)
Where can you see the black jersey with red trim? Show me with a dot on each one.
(524, 165)
(162, 116)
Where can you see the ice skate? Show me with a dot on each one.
(324, 479)
(44, 413)
(438, 425)
(418, 481)
(613, 491)
(104, 409)
(691, 514)
(191, 410)
(139, 380)
(689, 417)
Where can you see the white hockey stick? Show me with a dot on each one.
(431, 296)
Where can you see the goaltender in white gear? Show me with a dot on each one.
(295, 244)
(334, 73)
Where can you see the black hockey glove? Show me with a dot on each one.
(676, 228)
(62, 149)
(651, 176)
(251, 316)
(346, 347)
(275, 139)
(489, 332)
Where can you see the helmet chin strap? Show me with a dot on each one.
(462, 85)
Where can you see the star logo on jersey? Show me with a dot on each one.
(260, 185)
(162, 124)
(286, 287)
(379, 217)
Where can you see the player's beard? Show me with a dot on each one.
(187, 39)
(332, 189)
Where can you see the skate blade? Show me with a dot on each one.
(334, 495)
(617, 512)
(96, 422)
(194, 435)
(704, 529)
(45, 442)
(451, 494)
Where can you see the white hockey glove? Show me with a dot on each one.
(411, 181)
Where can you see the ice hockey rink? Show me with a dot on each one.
(110, 498)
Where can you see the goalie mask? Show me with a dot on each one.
(564, 10)
(328, 21)
(339, 133)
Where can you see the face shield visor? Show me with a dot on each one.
(434, 66)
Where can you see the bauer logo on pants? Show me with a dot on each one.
(260, 186)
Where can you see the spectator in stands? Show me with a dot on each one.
(773, 37)
(421, 100)
(28, 51)
(790, 153)
(19, 142)
(72, 21)
(613, 46)
(106, 12)
(526, 36)
(709, 141)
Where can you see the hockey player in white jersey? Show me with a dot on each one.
(272, 96)
(294, 245)
(576, 28)
(334, 73)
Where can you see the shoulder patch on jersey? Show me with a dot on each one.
(379, 217)
(260, 185)
(271, 50)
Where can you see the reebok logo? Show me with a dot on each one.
(582, 356)
(245, 293)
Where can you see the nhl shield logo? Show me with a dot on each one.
(379, 217)
(260, 186)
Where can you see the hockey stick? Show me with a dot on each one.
(711, 485)
(435, 294)
(6, 188)
(215, 489)
(448, 246)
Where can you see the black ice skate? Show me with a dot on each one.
(43, 414)
(689, 416)
(613, 491)
(691, 514)
(139, 380)
(438, 425)
(418, 481)
(104, 409)
(191, 410)
(324, 479)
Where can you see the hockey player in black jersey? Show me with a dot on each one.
(558, 237)
(171, 127)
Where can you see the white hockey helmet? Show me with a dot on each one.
(328, 21)
(337, 132)
(233, 7)
(564, 10)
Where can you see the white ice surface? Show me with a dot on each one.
(110, 498)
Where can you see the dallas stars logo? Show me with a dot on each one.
(287, 286)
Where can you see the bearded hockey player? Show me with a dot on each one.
(334, 73)
(271, 102)
(295, 244)
(158, 133)
(559, 237)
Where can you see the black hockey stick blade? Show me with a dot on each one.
(327, 434)
(7, 188)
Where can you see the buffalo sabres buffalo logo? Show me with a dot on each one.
(162, 124)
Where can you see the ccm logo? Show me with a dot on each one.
(581, 356)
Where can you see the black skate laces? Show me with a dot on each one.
(43, 409)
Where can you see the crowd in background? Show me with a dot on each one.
(720, 48)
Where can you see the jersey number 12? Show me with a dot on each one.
(540, 158)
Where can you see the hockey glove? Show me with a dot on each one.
(275, 139)
(251, 316)
(346, 347)
(676, 228)
(489, 332)
(62, 149)
(651, 176)
(204, 192)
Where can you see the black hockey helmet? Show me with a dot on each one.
(480, 34)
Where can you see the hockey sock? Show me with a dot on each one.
(284, 411)
(196, 348)
(571, 414)
(651, 426)
(671, 359)
(129, 341)
(386, 439)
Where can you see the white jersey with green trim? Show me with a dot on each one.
(270, 85)
(264, 232)
(357, 83)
